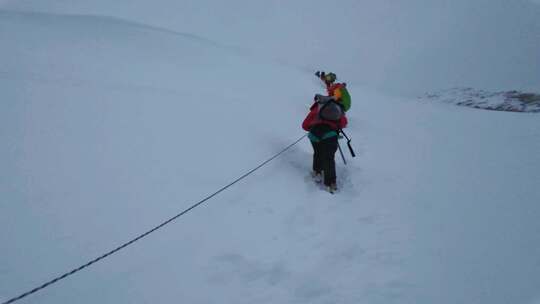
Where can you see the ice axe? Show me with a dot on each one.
(348, 143)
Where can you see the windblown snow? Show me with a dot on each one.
(115, 119)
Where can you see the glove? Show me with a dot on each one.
(320, 74)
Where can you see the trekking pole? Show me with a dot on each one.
(341, 152)
(348, 143)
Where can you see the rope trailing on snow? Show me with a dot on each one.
(69, 273)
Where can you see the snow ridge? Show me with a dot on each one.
(511, 101)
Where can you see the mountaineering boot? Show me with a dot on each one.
(332, 188)
(317, 176)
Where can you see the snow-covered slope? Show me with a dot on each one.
(110, 126)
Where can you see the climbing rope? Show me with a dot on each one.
(75, 270)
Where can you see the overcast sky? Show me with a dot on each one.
(410, 46)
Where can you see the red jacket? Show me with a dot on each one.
(313, 119)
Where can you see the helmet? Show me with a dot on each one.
(330, 77)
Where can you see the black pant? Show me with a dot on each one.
(323, 158)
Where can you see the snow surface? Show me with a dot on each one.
(109, 126)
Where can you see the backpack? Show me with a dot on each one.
(340, 90)
(329, 109)
(345, 98)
